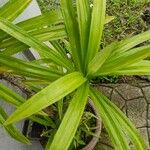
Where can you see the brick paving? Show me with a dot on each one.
(134, 100)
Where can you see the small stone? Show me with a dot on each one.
(117, 99)
(146, 91)
(129, 92)
(136, 110)
(105, 90)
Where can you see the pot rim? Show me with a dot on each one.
(95, 139)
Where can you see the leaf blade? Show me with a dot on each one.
(111, 124)
(71, 120)
(126, 59)
(13, 8)
(72, 30)
(28, 69)
(48, 96)
(26, 38)
(96, 28)
(125, 123)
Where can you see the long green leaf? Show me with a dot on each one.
(11, 130)
(100, 59)
(96, 28)
(111, 123)
(71, 120)
(126, 59)
(140, 68)
(17, 46)
(49, 33)
(47, 19)
(129, 43)
(72, 30)
(35, 23)
(28, 69)
(125, 123)
(26, 38)
(13, 8)
(12, 98)
(48, 96)
(84, 20)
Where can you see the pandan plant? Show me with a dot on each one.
(68, 68)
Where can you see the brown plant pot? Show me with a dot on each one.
(91, 145)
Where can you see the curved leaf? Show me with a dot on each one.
(26, 38)
(124, 123)
(11, 97)
(110, 122)
(125, 59)
(13, 8)
(35, 23)
(129, 43)
(28, 69)
(140, 68)
(42, 34)
(49, 95)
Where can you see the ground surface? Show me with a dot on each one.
(131, 17)
(134, 100)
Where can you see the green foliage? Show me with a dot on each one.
(67, 69)
(128, 20)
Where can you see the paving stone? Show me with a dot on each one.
(105, 90)
(136, 110)
(144, 133)
(146, 91)
(104, 138)
(117, 99)
(129, 92)
(146, 77)
(148, 116)
(132, 147)
(101, 146)
(144, 84)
